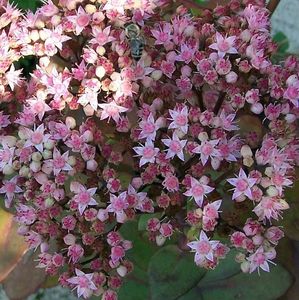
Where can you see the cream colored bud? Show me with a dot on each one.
(39, 24)
(122, 271)
(284, 204)
(156, 75)
(35, 166)
(246, 151)
(198, 212)
(248, 161)
(24, 171)
(36, 156)
(245, 266)
(100, 72)
(90, 9)
(272, 191)
(269, 171)
(44, 61)
(240, 257)
(9, 140)
(34, 35)
(49, 145)
(203, 136)
(8, 170)
(70, 122)
(47, 154)
(49, 202)
(71, 160)
(160, 240)
(56, 20)
(257, 240)
(101, 50)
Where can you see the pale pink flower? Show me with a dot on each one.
(270, 208)
(117, 205)
(242, 184)
(211, 209)
(6, 155)
(203, 248)
(25, 214)
(198, 191)
(10, 188)
(101, 36)
(207, 150)
(59, 162)
(13, 77)
(224, 45)
(179, 119)
(148, 153)
(89, 97)
(111, 110)
(84, 197)
(83, 284)
(149, 128)
(115, 5)
(175, 147)
(38, 106)
(162, 34)
(80, 20)
(37, 137)
(261, 259)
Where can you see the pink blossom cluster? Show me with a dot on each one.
(202, 124)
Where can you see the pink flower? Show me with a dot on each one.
(175, 147)
(149, 128)
(148, 153)
(38, 106)
(25, 214)
(198, 190)
(4, 120)
(224, 45)
(171, 183)
(115, 5)
(10, 188)
(75, 252)
(101, 37)
(81, 20)
(162, 34)
(242, 184)
(203, 248)
(111, 110)
(83, 283)
(207, 150)
(168, 68)
(179, 119)
(13, 77)
(37, 138)
(261, 259)
(59, 162)
(84, 197)
(6, 155)
(117, 205)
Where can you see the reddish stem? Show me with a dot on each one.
(272, 5)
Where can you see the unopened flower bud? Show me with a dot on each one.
(49, 144)
(71, 160)
(69, 239)
(100, 71)
(246, 151)
(88, 110)
(47, 154)
(245, 266)
(36, 156)
(8, 170)
(231, 77)
(156, 75)
(257, 240)
(122, 271)
(44, 247)
(240, 257)
(24, 171)
(203, 136)
(49, 202)
(91, 165)
(70, 122)
(272, 191)
(160, 240)
(257, 108)
(248, 161)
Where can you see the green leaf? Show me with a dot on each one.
(172, 273)
(27, 4)
(142, 250)
(136, 286)
(290, 221)
(282, 40)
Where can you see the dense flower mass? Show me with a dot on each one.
(200, 130)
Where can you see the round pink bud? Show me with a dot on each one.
(137, 182)
(44, 247)
(103, 215)
(257, 108)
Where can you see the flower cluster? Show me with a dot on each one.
(201, 126)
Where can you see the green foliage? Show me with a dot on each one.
(27, 4)
(168, 273)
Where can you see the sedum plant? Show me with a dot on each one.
(139, 110)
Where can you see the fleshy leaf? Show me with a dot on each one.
(12, 246)
(172, 273)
